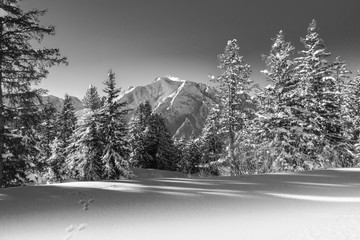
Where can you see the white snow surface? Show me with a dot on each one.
(165, 205)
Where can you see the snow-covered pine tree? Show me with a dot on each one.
(275, 132)
(159, 144)
(113, 132)
(66, 121)
(321, 100)
(351, 112)
(345, 146)
(21, 64)
(85, 150)
(46, 131)
(47, 128)
(191, 155)
(92, 99)
(66, 126)
(23, 141)
(211, 138)
(280, 69)
(86, 146)
(352, 108)
(139, 156)
(233, 85)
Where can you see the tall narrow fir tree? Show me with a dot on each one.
(234, 84)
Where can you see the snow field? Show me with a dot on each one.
(297, 206)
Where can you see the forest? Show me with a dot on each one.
(306, 118)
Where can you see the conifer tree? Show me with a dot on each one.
(352, 108)
(67, 121)
(159, 144)
(275, 130)
(280, 69)
(351, 113)
(191, 155)
(85, 151)
(56, 168)
(211, 138)
(86, 148)
(21, 64)
(139, 156)
(234, 84)
(47, 128)
(23, 143)
(66, 126)
(113, 131)
(45, 133)
(321, 100)
(92, 99)
(151, 143)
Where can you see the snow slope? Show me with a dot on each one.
(309, 205)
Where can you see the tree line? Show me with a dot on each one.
(307, 118)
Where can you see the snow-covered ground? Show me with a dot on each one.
(310, 205)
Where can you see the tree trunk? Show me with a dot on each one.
(234, 166)
(231, 151)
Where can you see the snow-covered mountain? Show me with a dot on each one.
(183, 104)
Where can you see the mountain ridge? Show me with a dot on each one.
(183, 104)
(58, 102)
(179, 101)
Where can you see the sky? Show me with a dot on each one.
(144, 39)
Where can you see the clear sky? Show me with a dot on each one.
(143, 39)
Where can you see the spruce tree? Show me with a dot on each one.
(321, 100)
(280, 70)
(85, 151)
(92, 99)
(351, 113)
(23, 143)
(113, 132)
(21, 64)
(233, 85)
(211, 138)
(150, 141)
(66, 126)
(275, 132)
(46, 131)
(159, 144)
(352, 108)
(191, 155)
(86, 148)
(139, 156)
(56, 169)
(47, 128)
(66, 121)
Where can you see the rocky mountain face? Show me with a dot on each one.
(184, 104)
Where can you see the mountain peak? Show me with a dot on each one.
(182, 103)
(169, 77)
